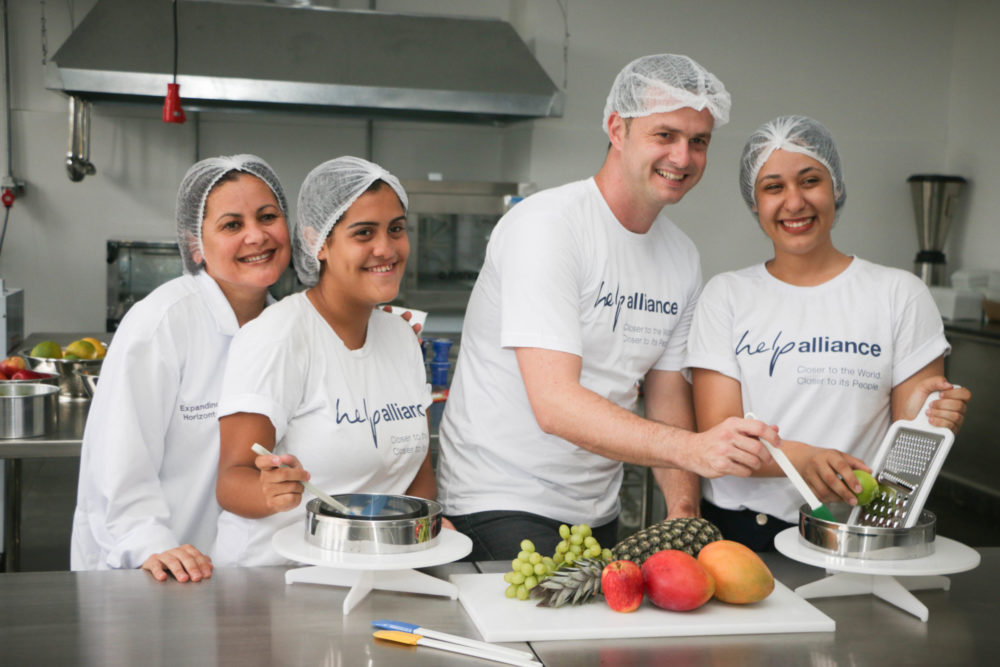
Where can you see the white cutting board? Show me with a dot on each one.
(500, 619)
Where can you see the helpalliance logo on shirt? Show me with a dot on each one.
(813, 345)
(388, 413)
(634, 301)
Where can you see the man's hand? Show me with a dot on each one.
(185, 563)
(732, 447)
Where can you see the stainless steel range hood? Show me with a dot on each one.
(304, 58)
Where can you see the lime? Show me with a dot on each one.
(81, 349)
(47, 349)
(869, 487)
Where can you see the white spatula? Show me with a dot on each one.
(819, 510)
(310, 487)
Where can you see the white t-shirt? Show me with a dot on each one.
(355, 419)
(560, 273)
(819, 362)
(151, 442)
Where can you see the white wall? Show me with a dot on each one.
(904, 85)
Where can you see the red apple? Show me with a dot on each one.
(28, 374)
(676, 581)
(621, 583)
(11, 365)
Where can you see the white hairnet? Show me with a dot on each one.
(798, 134)
(193, 192)
(326, 194)
(666, 82)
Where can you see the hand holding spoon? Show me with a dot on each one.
(310, 487)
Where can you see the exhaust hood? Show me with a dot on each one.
(238, 55)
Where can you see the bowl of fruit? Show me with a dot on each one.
(84, 354)
(14, 370)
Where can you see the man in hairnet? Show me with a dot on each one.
(587, 290)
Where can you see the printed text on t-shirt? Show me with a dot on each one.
(387, 413)
(814, 345)
(635, 301)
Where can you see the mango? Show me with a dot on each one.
(80, 349)
(741, 577)
(98, 346)
(47, 349)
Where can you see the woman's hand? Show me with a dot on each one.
(408, 316)
(280, 481)
(830, 473)
(185, 563)
(948, 411)
(445, 523)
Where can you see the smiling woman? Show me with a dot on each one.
(150, 446)
(320, 378)
(859, 344)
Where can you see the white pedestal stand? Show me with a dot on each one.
(364, 572)
(890, 580)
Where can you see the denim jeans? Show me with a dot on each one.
(497, 535)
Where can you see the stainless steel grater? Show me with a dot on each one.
(906, 465)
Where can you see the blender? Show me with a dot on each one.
(935, 202)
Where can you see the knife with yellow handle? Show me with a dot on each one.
(419, 640)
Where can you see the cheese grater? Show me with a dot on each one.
(906, 465)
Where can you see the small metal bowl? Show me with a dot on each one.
(836, 538)
(49, 378)
(28, 410)
(89, 379)
(71, 385)
(380, 524)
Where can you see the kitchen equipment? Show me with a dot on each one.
(906, 465)
(27, 410)
(400, 626)
(890, 580)
(838, 538)
(818, 508)
(501, 619)
(309, 486)
(412, 639)
(362, 572)
(47, 378)
(89, 380)
(71, 385)
(137, 267)
(374, 524)
(957, 304)
(11, 317)
(935, 204)
(449, 224)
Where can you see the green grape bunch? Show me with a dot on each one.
(530, 567)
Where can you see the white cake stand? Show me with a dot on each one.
(364, 572)
(855, 576)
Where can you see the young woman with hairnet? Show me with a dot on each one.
(828, 346)
(336, 389)
(146, 495)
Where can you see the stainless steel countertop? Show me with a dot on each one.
(249, 616)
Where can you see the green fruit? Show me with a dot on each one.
(82, 349)
(869, 487)
(47, 349)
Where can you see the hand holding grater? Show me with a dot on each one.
(906, 465)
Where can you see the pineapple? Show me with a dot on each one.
(687, 534)
(575, 584)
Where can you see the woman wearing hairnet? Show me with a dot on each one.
(334, 387)
(146, 496)
(826, 345)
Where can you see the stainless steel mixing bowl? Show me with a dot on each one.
(836, 538)
(380, 524)
(28, 410)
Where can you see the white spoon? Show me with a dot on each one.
(310, 487)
